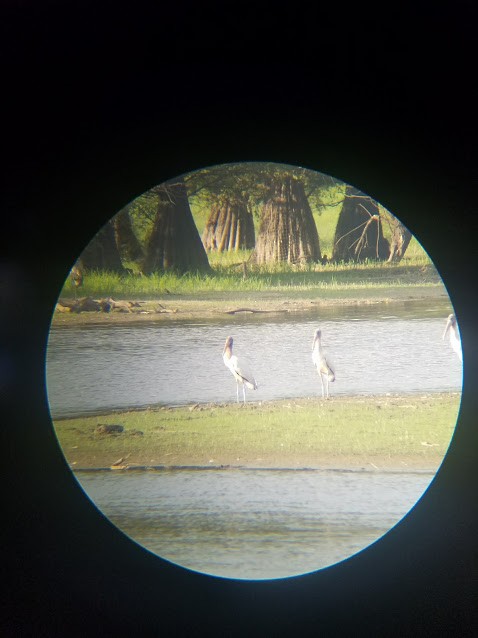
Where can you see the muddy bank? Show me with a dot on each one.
(343, 464)
(178, 308)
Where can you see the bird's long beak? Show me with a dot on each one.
(226, 346)
(448, 324)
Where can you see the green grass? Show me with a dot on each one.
(304, 432)
(284, 278)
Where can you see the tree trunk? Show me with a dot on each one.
(128, 245)
(102, 252)
(287, 229)
(401, 237)
(359, 234)
(229, 227)
(174, 242)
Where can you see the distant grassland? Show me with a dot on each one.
(403, 432)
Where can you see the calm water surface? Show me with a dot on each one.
(254, 524)
(97, 368)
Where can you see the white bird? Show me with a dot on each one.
(320, 361)
(455, 340)
(241, 375)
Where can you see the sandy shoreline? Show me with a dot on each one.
(224, 305)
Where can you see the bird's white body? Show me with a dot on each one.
(323, 366)
(455, 340)
(242, 375)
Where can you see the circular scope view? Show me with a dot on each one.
(254, 370)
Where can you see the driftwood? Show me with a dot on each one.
(121, 463)
(162, 309)
(123, 306)
(61, 307)
(87, 304)
(233, 312)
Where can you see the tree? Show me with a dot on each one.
(401, 236)
(128, 245)
(251, 181)
(230, 226)
(102, 252)
(174, 242)
(358, 235)
(287, 230)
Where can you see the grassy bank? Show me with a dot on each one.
(283, 279)
(383, 432)
(234, 276)
(169, 296)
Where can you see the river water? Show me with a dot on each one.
(249, 523)
(102, 367)
(255, 524)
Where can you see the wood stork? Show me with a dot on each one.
(323, 366)
(241, 375)
(455, 340)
